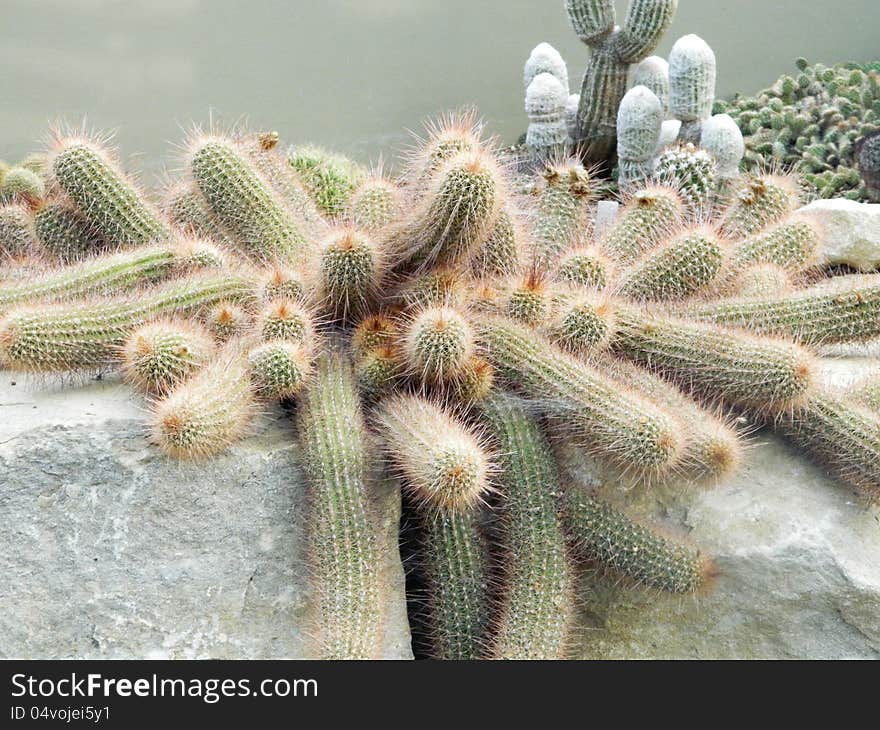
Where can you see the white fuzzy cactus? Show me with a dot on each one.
(571, 115)
(653, 73)
(639, 121)
(545, 106)
(692, 70)
(545, 59)
(722, 138)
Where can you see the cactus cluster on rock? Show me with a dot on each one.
(440, 329)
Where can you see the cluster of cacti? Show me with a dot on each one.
(818, 120)
(439, 329)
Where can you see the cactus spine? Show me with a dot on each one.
(343, 553)
(279, 368)
(499, 254)
(16, 231)
(586, 267)
(760, 202)
(691, 171)
(561, 212)
(63, 232)
(615, 424)
(21, 185)
(374, 205)
(867, 392)
(537, 598)
(721, 138)
(437, 344)
(649, 215)
(113, 207)
(187, 209)
(350, 272)
(159, 355)
(330, 179)
(613, 50)
(603, 534)
(793, 245)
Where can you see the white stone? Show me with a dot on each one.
(852, 232)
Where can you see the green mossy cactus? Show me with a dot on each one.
(63, 233)
(759, 203)
(244, 202)
(350, 273)
(84, 171)
(614, 49)
(330, 179)
(17, 238)
(842, 309)
(602, 534)
(444, 462)
(279, 368)
(89, 335)
(343, 552)
(160, 355)
(536, 605)
(649, 216)
(21, 185)
(684, 265)
(615, 424)
(562, 210)
(207, 413)
(721, 363)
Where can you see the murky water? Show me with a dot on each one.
(349, 74)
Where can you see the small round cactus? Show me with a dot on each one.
(160, 355)
(351, 269)
(437, 343)
(21, 185)
(690, 170)
(279, 368)
(284, 319)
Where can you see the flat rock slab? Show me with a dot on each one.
(851, 232)
(109, 550)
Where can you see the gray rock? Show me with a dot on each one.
(798, 558)
(109, 550)
(852, 232)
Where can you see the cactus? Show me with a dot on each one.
(351, 269)
(545, 107)
(613, 50)
(111, 204)
(583, 322)
(227, 320)
(653, 74)
(723, 140)
(160, 355)
(457, 212)
(692, 71)
(21, 185)
(499, 254)
(437, 343)
(448, 136)
(187, 209)
(869, 166)
(330, 179)
(721, 363)
(544, 58)
(445, 464)
(603, 534)
(842, 309)
(64, 233)
(761, 202)
(648, 216)
(343, 553)
(284, 319)
(474, 383)
(762, 281)
(16, 231)
(377, 330)
(88, 336)
(529, 300)
(206, 413)
(843, 436)
(691, 171)
(585, 266)
(682, 266)
(867, 392)
(244, 202)
(374, 205)
(283, 283)
(378, 372)
(457, 573)
(562, 210)
(279, 368)
(639, 120)
(110, 274)
(616, 424)
(793, 245)
(537, 596)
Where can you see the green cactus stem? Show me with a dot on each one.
(563, 203)
(187, 209)
(279, 368)
(351, 269)
(585, 266)
(64, 233)
(160, 355)
(16, 231)
(226, 320)
(379, 371)
(330, 179)
(343, 552)
(648, 217)
(759, 203)
(793, 245)
(374, 205)
(499, 254)
(437, 343)
(23, 186)
(691, 171)
(536, 607)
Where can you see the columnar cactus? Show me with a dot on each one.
(648, 217)
(582, 322)
(760, 202)
(544, 58)
(613, 51)
(437, 343)
(639, 120)
(279, 368)
(794, 245)
(867, 392)
(285, 319)
(350, 271)
(160, 355)
(692, 71)
(226, 320)
(537, 605)
(563, 206)
(653, 73)
(16, 231)
(545, 107)
(64, 233)
(114, 208)
(499, 254)
(692, 172)
(343, 554)
(21, 185)
(586, 266)
(187, 209)
(374, 205)
(721, 137)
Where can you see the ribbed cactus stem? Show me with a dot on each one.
(374, 205)
(242, 200)
(843, 309)
(583, 322)
(692, 71)
(736, 367)
(457, 572)
(761, 281)
(88, 336)
(437, 343)
(759, 203)
(616, 424)
(721, 137)
(793, 245)
(16, 232)
(64, 233)
(330, 179)
(444, 462)
(682, 266)
(639, 120)
(653, 73)
(160, 355)
(647, 218)
(499, 254)
(23, 186)
(545, 107)
(187, 209)
(279, 368)
(585, 266)
(603, 534)
(534, 618)
(207, 413)
(842, 435)
(691, 171)
(285, 319)
(343, 554)
(563, 204)
(113, 207)
(227, 320)
(351, 269)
